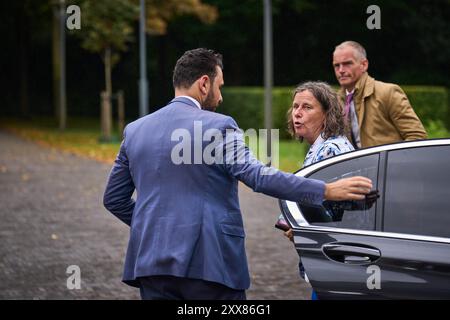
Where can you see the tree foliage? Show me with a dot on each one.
(111, 23)
(412, 46)
(161, 12)
(106, 25)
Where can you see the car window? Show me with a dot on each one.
(418, 191)
(347, 214)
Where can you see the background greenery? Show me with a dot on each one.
(246, 106)
(412, 48)
(81, 138)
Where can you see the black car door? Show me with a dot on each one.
(397, 247)
(415, 259)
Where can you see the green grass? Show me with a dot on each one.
(82, 138)
(292, 154)
(436, 129)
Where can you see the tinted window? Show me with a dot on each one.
(418, 191)
(353, 215)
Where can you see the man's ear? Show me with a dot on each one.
(365, 65)
(204, 84)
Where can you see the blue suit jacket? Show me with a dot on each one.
(186, 219)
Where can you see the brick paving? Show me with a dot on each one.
(52, 217)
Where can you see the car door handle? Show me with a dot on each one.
(351, 253)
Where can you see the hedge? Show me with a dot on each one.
(246, 105)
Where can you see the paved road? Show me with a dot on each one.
(51, 217)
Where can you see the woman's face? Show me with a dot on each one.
(307, 116)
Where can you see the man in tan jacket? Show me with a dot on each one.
(378, 112)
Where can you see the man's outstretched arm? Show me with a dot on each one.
(245, 167)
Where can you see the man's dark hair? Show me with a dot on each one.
(195, 63)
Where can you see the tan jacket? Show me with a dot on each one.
(384, 113)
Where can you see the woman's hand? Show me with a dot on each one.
(289, 234)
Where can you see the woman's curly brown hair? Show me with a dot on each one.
(334, 125)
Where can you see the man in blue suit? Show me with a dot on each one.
(186, 230)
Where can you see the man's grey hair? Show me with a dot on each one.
(360, 52)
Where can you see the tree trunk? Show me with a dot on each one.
(108, 66)
(106, 117)
(106, 108)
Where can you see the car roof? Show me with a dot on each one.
(371, 150)
(294, 210)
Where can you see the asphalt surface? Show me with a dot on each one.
(52, 217)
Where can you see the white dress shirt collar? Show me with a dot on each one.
(348, 92)
(193, 100)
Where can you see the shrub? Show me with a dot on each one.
(246, 106)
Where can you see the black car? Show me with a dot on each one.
(397, 247)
